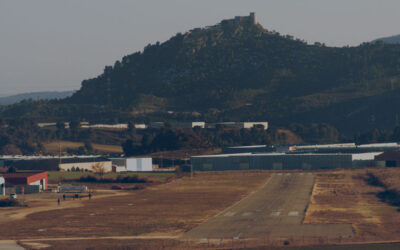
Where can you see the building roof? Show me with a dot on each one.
(267, 154)
(20, 175)
(389, 156)
(252, 146)
(81, 160)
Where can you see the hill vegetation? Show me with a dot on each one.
(390, 39)
(48, 95)
(238, 71)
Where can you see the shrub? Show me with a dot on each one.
(10, 203)
(119, 179)
(88, 178)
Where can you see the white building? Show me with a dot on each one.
(133, 164)
(2, 186)
(107, 126)
(86, 164)
(254, 124)
(140, 126)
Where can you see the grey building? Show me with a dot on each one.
(277, 161)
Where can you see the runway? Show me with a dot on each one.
(275, 210)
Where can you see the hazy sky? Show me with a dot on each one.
(55, 44)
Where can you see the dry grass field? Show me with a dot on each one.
(153, 218)
(344, 196)
(54, 147)
(167, 209)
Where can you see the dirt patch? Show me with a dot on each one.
(48, 202)
(54, 147)
(345, 197)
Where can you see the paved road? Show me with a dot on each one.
(275, 210)
(9, 245)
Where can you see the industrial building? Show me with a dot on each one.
(188, 124)
(132, 164)
(237, 125)
(280, 161)
(52, 163)
(246, 149)
(388, 159)
(85, 164)
(2, 186)
(345, 148)
(30, 182)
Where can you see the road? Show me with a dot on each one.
(275, 210)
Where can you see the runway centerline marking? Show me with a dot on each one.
(275, 213)
(229, 214)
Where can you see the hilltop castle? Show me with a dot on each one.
(251, 19)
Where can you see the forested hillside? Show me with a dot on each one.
(390, 39)
(240, 71)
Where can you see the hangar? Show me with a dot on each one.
(30, 181)
(280, 161)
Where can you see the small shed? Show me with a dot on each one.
(388, 159)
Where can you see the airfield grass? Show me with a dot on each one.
(344, 196)
(166, 209)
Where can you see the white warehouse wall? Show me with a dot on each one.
(2, 186)
(139, 164)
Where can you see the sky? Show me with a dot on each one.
(52, 45)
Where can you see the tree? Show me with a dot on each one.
(11, 169)
(99, 168)
(88, 147)
(129, 147)
(74, 126)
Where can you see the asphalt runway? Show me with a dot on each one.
(275, 210)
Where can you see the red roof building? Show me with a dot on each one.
(27, 178)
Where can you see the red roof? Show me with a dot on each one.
(20, 175)
(24, 178)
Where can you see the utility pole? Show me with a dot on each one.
(59, 154)
(191, 167)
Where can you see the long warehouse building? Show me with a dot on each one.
(278, 161)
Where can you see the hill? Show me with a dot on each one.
(238, 70)
(48, 95)
(390, 39)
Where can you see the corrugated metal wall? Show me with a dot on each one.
(272, 162)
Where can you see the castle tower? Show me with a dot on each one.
(253, 17)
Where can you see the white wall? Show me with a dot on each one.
(42, 187)
(2, 186)
(365, 156)
(139, 164)
(252, 124)
(85, 165)
(198, 124)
